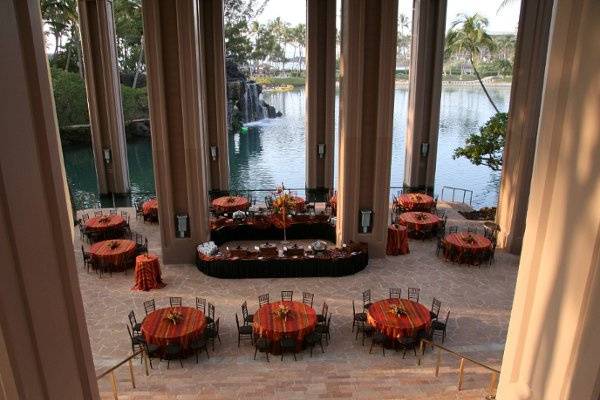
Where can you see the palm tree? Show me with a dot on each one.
(468, 36)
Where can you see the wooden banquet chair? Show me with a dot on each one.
(366, 299)
(263, 299)
(175, 301)
(324, 330)
(323, 316)
(201, 304)
(210, 318)
(263, 345)
(212, 332)
(395, 293)
(149, 306)
(414, 294)
(287, 343)
(436, 305)
(357, 317)
(112, 212)
(287, 295)
(307, 298)
(438, 326)
(98, 213)
(243, 330)
(200, 343)
(246, 316)
(135, 326)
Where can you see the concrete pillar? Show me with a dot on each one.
(368, 60)
(44, 346)
(176, 115)
(552, 348)
(525, 102)
(320, 92)
(213, 85)
(425, 79)
(98, 40)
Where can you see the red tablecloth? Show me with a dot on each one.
(150, 207)
(231, 203)
(115, 255)
(300, 322)
(397, 240)
(416, 202)
(105, 223)
(382, 318)
(419, 221)
(333, 202)
(160, 331)
(147, 273)
(464, 246)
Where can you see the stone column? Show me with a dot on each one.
(44, 346)
(213, 85)
(176, 115)
(552, 348)
(104, 95)
(320, 92)
(525, 102)
(367, 63)
(423, 115)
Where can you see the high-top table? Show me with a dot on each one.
(381, 316)
(147, 273)
(301, 320)
(158, 330)
(397, 240)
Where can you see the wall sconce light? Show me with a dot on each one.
(366, 217)
(214, 152)
(321, 150)
(424, 149)
(183, 226)
(107, 155)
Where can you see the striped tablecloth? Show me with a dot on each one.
(150, 207)
(113, 252)
(381, 317)
(397, 241)
(231, 203)
(301, 320)
(419, 221)
(105, 223)
(158, 330)
(465, 246)
(147, 273)
(416, 202)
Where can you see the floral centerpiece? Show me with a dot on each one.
(282, 204)
(113, 244)
(421, 216)
(104, 220)
(231, 199)
(282, 312)
(174, 317)
(417, 197)
(469, 239)
(397, 310)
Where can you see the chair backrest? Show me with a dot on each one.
(132, 319)
(211, 311)
(244, 311)
(85, 217)
(472, 229)
(329, 321)
(263, 299)
(395, 293)
(326, 309)
(217, 326)
(366, 297)
(447, 316)
(237, 321)
(175, 301)
(124, 214)
(307, 298)
(353, 309)
(201, 304)
(413, 294)
(453, 229)
(98, 213)
(149, 306)
(130, 334)
(435, 306)
(112, 212)
(287, 295)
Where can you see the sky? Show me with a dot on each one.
(505, 21)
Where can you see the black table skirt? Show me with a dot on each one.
(236, 232)
(283, 267)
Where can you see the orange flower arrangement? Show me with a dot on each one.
(174, 317)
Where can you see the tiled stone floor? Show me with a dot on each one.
(480, 300)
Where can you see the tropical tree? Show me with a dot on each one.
(281, 30)
(468, 36)
(486, 146)
(238, 15)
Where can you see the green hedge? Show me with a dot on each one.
(71, 103)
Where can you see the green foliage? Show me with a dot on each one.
(71, 102)
(496, 67)
(486, 146)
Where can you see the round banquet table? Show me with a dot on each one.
(381, 317)
(158, 330)
(465, 247)
(150, 207)
(105, 223)
(419, 221)
(231, 203)
(116, 255)
(300, 322)
(397, 240)
(416, 202)
(147, 273)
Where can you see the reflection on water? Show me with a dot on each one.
(272, 151)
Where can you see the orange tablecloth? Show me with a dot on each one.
(393, 326)
(419, 221)
(300, 322)
(150, 207)
(147, 273)
(464, 246)
(397, 240)
(103, 252)
(231, 203)
(105, 223)
(333, 202)
(160, 331)
(416, 202)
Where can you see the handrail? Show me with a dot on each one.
(111, 371)
(454, 189)
(494, 372)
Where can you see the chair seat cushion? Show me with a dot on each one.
(320, 318)
(437, 325)
(433, 315)
(313, 337)
(379, 337)
(360, 316)
(246, 330)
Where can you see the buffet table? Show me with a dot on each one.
(334, 262)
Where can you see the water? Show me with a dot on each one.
(273, 150)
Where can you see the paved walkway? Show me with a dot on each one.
(480, 300)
